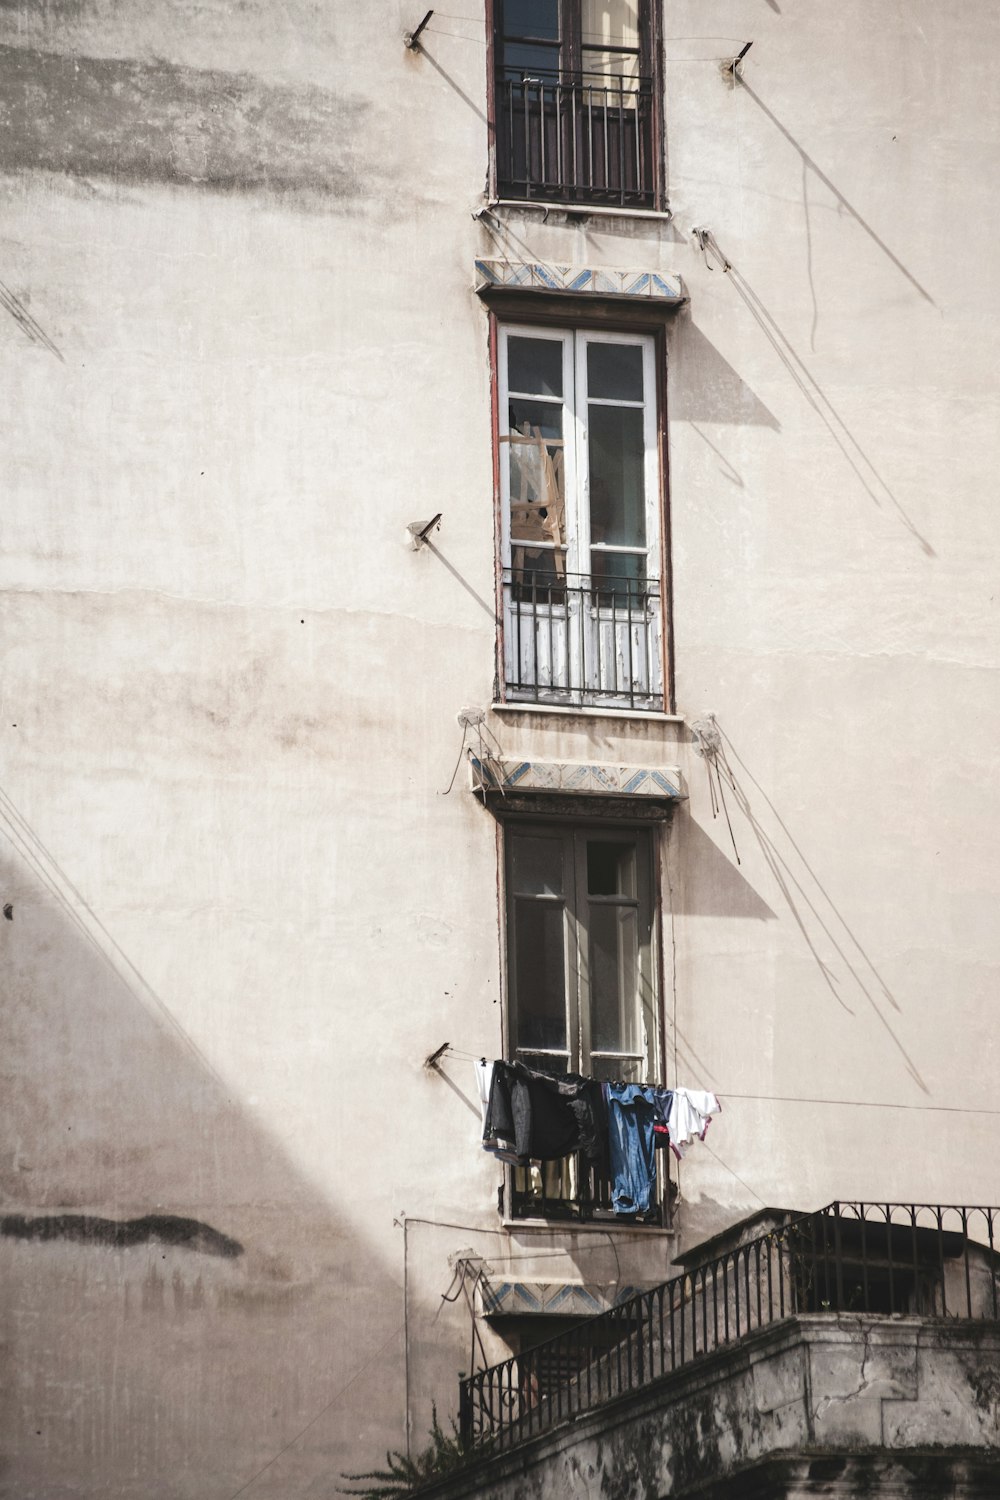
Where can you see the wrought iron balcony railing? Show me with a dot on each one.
(576, 138)
(573, 1189)
(578, 640)
(887, 1258)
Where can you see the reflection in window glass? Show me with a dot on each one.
(614, 372)
(620, 576)
(614, 1008)
(609, 23)
(538, 866)
(535, 366)
(539, 975)
(539, 18)
(617, 488)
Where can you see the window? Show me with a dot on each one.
(575, 101)
(580, 508)
(580, 979)
(580, 933)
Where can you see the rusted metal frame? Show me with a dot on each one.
(649, 24)
(491, 99)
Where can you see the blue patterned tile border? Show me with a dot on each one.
(591, 281)
(557, 1299)
(569, 777)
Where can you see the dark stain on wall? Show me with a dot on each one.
(166, 1229)
(160, 122)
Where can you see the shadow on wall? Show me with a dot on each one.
(849, 974)
(712, 885)
(704, 387)
(184, 1296)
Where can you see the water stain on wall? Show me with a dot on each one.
(162, 122)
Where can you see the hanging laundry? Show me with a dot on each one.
(662, 1102)
(631, 1137)
(496, 1145)
(690, 1116)
(545, 1115)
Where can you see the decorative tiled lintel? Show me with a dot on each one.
(593, 281)
(662, 783)
(559, 1299)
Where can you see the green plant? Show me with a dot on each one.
(444, 1453)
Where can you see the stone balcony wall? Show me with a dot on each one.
(815, 1405)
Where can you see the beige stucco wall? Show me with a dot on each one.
(244, 911)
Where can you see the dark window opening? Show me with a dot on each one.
(574, 92)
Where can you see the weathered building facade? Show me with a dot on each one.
(562, 403)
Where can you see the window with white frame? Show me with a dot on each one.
(581, 538)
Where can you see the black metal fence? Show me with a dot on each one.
(576, 138)
(574, 1189)
(575, 639)
(887, 1258)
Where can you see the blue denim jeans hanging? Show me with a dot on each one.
(631, 1145)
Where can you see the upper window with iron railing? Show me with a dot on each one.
(580, 513)
(575, 102)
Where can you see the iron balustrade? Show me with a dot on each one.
(537, 1193)
(575, 639)
(886, 1258)
(576, 138)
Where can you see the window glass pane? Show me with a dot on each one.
(537, 865)
(530, 60)
(618, 1069)
(536, 476)
(617, 490)
(531, 18)
(612, 79)
(614, 955)
(614, 371)
(608, 23)
(610, 868)
(535, 366)
(622, 576)
(539, 974)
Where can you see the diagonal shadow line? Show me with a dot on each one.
(25, 842)
(453, 85)
(844, 202)
(473, 1108)
(729, 470)
(700, 1069)
(772, 856)
(809, 258)
(28, 325)
(459, 579)
(822, 405)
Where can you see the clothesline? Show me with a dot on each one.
(945, 1109)
(531, 1116)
